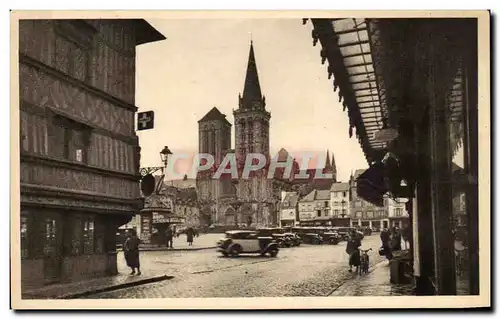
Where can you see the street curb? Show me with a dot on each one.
(370, 270)
(115, 287)
(175, 249)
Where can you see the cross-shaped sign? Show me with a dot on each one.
(145, 120)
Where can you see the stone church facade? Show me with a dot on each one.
(254, 201)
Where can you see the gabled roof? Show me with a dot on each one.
(214, 115)
(316, 194)
(322, 194)
(283, 155)
(309, 197)
(339, 187)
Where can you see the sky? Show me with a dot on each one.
(202, 64)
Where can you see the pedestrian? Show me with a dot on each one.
(169, 234)
(396, 239)
(385, 237)
(131, 251)
(190, 235)
(406, 234)
(352, 249)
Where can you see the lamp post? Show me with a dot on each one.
(165, 152)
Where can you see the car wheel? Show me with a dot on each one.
(224, 254)
(235, 251)
(273, 253)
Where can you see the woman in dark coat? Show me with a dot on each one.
(396, 239)
(385, 236)
(352, 250)
(131, 251)
(190, 235)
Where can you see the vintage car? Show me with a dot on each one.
(293, 239)
(343, 232)
(312, 238)
(276, 234)
(331, 237)
(282, 240)
(246, 242)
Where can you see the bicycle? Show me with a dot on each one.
(364, 261)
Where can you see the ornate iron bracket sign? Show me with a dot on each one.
(150, 170)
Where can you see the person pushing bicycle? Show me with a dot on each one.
(352, 249)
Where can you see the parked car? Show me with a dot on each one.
(343, 232)
(332, 238)
(282, 240)
(312, 238)
(238, 242)
(294, 239)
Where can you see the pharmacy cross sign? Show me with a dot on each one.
(145, 120)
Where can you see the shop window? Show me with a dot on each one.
(24, 237)
(88, 236)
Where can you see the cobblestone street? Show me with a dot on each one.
(299, 271)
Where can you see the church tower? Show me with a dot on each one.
(214, 133)
(251, 121)
(251, 118)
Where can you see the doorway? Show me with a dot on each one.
(52, 248)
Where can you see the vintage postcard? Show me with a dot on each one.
(250, 160)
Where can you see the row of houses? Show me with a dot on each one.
(340, 206)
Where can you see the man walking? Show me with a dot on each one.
(385, 237)
(169, 234)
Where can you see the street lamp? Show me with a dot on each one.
(165, 152)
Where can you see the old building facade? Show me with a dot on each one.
(339, 195)
(366, 214)
(289, 209)
(79, 151)
(314, 208)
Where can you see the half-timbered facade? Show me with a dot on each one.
(79, 151)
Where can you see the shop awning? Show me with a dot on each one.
(347, 46)
(379, 68)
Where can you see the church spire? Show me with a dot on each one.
(252, 95)
(334, 167)
(327, 162)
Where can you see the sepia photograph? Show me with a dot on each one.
(254, 157)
